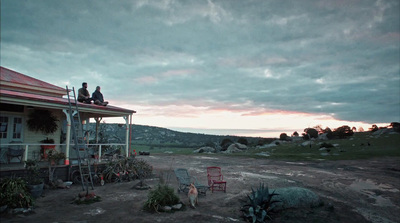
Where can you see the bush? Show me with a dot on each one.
(283, 136)
(226, 143)
(14, 193)
(343, 132)
(243, 141)
(312, 133)
(162, 195)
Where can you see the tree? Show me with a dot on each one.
(283, 136)
(295, 134)
(243, 141)
(395, 126)
(226, 143)
(354, 129)
(374, 128)
(328, 132)
(313, 133)
(343, 132)
(318, 128)
(360, 129)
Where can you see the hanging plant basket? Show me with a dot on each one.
(42, 121)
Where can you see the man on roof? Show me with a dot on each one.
(83, 94)
(97, 97)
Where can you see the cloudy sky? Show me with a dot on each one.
(254, 67)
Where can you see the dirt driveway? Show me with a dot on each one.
(352, 191)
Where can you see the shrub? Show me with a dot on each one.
(14, 193)
(226, 143)
(243, 141)
(260, 204)
(283, 136)
(343, 132)
(162, 195)
(127, 168)
(313, 133)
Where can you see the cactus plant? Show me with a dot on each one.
(260, 204)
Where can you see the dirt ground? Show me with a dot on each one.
(352, 191)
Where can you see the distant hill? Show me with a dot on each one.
(156, 136)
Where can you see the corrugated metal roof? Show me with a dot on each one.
(11, 95)
(11, 76)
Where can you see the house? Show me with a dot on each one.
(20, 95)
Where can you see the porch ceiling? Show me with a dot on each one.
(91, 110)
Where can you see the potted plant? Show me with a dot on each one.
(54, 159)
(33, 179)
(14, 193)
(42, 121)
(45, 149)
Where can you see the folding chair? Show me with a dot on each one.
(216, 179)
(184, 181)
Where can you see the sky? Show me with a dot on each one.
(226, 67)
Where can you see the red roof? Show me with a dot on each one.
(57, 100)
(11, 76)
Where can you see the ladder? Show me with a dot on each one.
(80, 147)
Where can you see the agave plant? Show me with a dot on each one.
(260, 204)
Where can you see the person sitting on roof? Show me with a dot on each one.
(97, 97)
(83, 94)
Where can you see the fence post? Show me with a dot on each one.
(100, 153)
(26, 153)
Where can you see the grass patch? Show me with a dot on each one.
(360, 146)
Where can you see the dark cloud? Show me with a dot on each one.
(325, 57)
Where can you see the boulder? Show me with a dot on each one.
(177, 207)
(295, 197)
(241, 146)
(266, 146)
(323, 136)
(235, 147)
(306, 143)
(205, 149)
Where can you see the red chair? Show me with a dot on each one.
(216, 179)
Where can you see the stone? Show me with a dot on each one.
(306, 143)
(177, 207)
(295, 197)
(241, 146)
(205, 149)
(232, 149)
(166, 208)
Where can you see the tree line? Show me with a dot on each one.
(338, 133)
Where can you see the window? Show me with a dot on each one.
(17, 130)
(3, 127)
(11, 128)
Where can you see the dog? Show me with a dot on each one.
(192, 194)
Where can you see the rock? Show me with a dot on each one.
(382, 131)
(177, 207)
(296, 138)
(236, 147)
(241, 146)
(166, 208)
(232, 149)
(198, 151)
(205, 149)
(266, 146)
(263, 154)
(323, 136)
(295, 197)
(306, 143)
